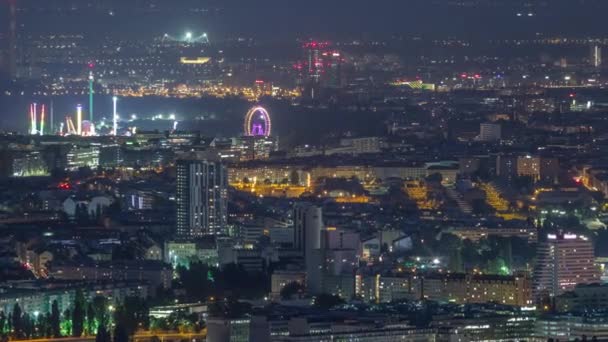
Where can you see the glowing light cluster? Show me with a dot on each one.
(257, 122)
(35, 127)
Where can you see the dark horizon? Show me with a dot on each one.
(275, 19)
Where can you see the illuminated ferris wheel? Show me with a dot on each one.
(257, 123)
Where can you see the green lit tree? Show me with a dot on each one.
(100, 307)
(498, 266)
(91, 324)
(66, 323)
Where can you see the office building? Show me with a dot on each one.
(155, 273)
(539, 168)
(489, 326)
(333, 76)
(201, 197)
(572, 328)
(308, 223)
(280, 279)
(254, 147)
(563, 262)
(82, 156)
(583, 298)
(228, 330)
(455, 287)
(490, 132)
(24, 163)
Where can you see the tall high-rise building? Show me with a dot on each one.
(321, 65)
(595, 56)
(201, 197)
(308, 224)
(333, 76)
(563, 261)
(313, 52)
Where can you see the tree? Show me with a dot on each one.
(43, 325)
(81, 214)
(470, 254)
(113, 209)
(523, 183)
(55, 320)
(506, 253)
(78, 314)
(434, 178)
(195, 281)
(132, 315)
(66, 322)
(448, 243)
(120, 333)
(455, 263)
(58, 173)
(85, 172)
(291, 290)
(102, 334)
(294, 177)
(2, 323)
(28, 325)
(327, 301)
(423, 316)
(90, 319)
(100, 307)
(229, 308)
(98, 211)
(17, 323)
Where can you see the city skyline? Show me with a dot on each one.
(279, 171)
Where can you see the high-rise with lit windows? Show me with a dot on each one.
(563, 261)
(201, 197)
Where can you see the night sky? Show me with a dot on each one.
(276, 19)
